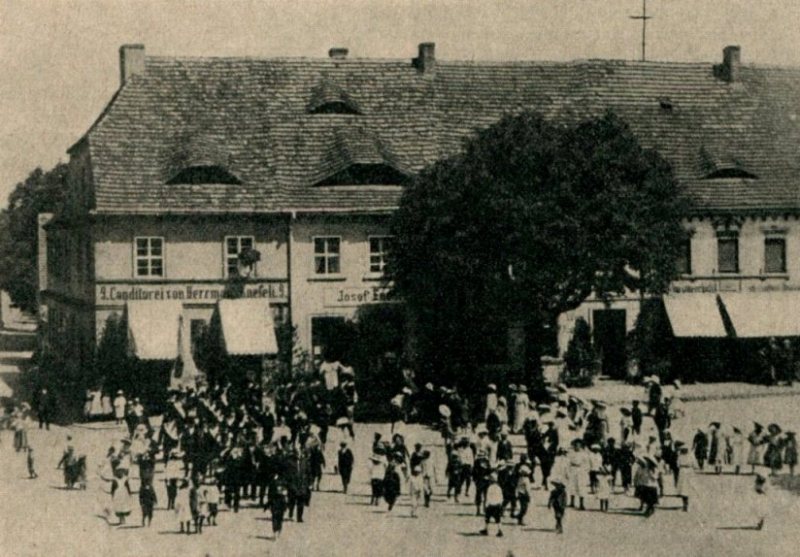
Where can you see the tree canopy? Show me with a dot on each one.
(41, 192)
(525, 223)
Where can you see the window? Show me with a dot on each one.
(234, 246)
(684, 261)
(728, 254)
(775, 255)
(378, 248)
(149, 257)
(326, 255)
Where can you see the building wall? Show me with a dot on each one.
(340, 295)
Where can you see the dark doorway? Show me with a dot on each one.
(609, 341)
(326, 338)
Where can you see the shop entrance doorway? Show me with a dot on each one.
(327, 338)
(609, 341)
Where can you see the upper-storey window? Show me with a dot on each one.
(378, 250)
(684, 262)
(149, 256)
(234, 247)
(327, 256)
(775, 255)
(728, 253)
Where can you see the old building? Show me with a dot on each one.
(195, 159)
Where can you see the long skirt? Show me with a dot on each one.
(685, 481)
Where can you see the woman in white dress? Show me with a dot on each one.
(737, 449)
(578, 473)
(521, 403)
(684, 484)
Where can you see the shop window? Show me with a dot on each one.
(149, 257)
(775, 255)
(728, 254)
(327, 255)
(378, 249)
(234, 246)
(684, 262)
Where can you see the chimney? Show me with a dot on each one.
(131, 61)
(425, 62)
(338, 53)
(731, 61)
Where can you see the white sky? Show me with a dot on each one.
(59, 60)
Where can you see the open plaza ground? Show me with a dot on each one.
(41, 517)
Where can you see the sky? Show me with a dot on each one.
(59, 61)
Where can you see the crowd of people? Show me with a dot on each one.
(222, 444)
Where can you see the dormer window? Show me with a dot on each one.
(204, 174)
(358, 157)
(730, 172)
(330, 98)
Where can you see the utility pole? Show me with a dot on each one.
(644, 17)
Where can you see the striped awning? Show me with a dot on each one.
(695, 315)
(763, 314)
(153, 328)
(247, 327)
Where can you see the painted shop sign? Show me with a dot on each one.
(342, 297)
(734, 287)
(276, 292)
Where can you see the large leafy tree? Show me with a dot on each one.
(40, 192)
(525, 223)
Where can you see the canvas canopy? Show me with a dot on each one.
(763, 314)
(247, 327)
(695, 315)
(153, 328)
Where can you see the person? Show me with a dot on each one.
(453, 474)
(578, 472)
(31, 465)
(466, 457)
(737, 450)
(650, 486)
(700, 447)
(67, 463)
(761, 503)
(773, 457)
(595, 466)
(755, 439)
(491, 400)
(683, 486)
(330, 374)
(603, 488)
(377, 473)
(636, 418)
(654, 393)
(391, 485)
(790, 451)
(212, 496)
(626, 458)
(416, 488)
(428, 476)
(493, 509)
(147, 502)
(345, 464)
(278, 501)
(558, 502)
(121, 496)
(316, 460)
(398, 410)
(715, 449)
(523, 491)
(173, 473)
(183, 509)
(44, 408)
(521, 403)
(120, 403)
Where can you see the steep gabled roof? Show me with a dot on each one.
(253, 114)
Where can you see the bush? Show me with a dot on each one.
(580, 359)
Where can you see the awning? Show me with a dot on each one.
(153, 328)
(247, 327)
(763, 314)
(695, 315)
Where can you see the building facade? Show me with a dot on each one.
(196, 159)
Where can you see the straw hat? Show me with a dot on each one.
(492, 387)
(523, 388)
(444, 410)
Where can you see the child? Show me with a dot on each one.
(761, 504)
(211, 496)
(376, 473)
(278, 501)
(523, 491)
(453, 473)
(345, 465)
(147, 502)
(685, 473)
(595, 465)
(416, 486)
(173, 472)
(603, 488)
(196, 505)
(790, 451)
(31, 465)
(493, 506)
(121, 496)
(183, 509)
(558, 502)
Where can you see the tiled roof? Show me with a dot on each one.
(252, 117)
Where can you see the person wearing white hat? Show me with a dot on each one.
(416, 488)
(491, 400)
(119, 406)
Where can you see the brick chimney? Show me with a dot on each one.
(425, 61)
(131, 61)
(731, 62)
(338, 53)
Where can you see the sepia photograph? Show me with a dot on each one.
(492, 278)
